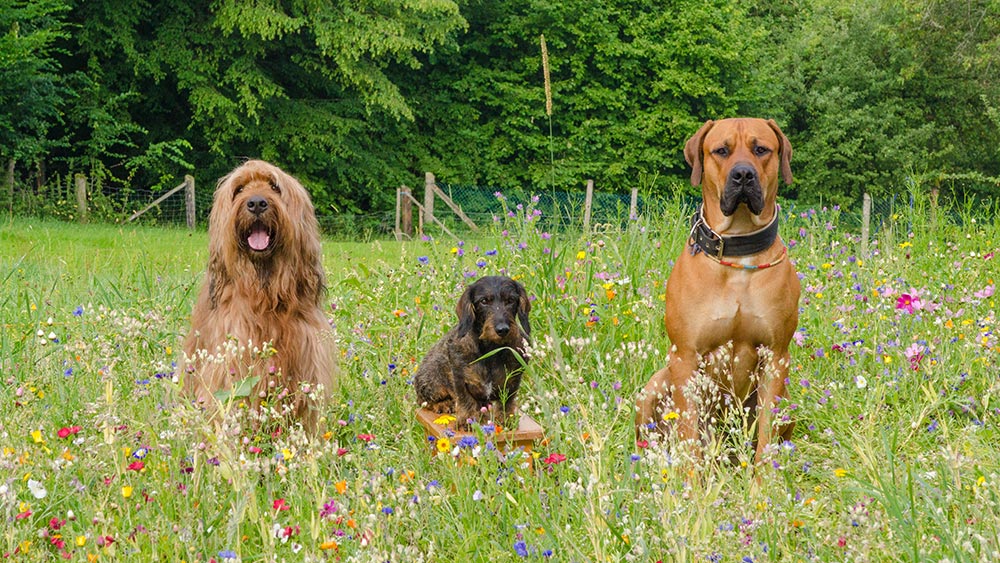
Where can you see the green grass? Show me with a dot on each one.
(894, 457)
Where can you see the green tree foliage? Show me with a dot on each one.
(31, 89)
(358, 96)
(294, 82)
(630, 81)
(879, 94)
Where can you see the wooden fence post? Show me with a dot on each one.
(189, 209)
(406, 202)
(587, 206)
(428, 197)
(866, 221)
(633, 207)
(81, 197)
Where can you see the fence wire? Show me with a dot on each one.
(557, 211)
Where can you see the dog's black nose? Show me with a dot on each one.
(743, 175)
(257, 205)
(502, 329)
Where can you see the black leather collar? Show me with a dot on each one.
(704, 239)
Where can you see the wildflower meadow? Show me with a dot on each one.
(893, 386)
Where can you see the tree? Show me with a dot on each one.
(31, 90)
(875, 93)
(298, 83)
(630, 81)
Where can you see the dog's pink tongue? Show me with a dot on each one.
(259, 239)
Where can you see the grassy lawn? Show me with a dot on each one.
(894, 387)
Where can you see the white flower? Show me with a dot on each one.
(861, 382)
(37, 489)
(477, 496)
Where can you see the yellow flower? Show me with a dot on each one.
(581, 255)
(341, 486)
(36, 436)
(287, 454)
(443, 445)
(671, 415)
(840, 472)
(126, 491)
(444, 420)
(81, 541)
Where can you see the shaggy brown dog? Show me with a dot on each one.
(478, 362)
(265, 284)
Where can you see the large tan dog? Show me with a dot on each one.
(732, 297)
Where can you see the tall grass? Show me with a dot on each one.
(893, 386)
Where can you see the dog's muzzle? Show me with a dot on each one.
(742, 186)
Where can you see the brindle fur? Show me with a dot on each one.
(478, 362)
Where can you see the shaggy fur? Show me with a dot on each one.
(478, 362)
(264, 284)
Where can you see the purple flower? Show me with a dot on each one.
(492, 252)
(423, 259)
(468, 442)
(521, 548)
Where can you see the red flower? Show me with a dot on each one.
(136, 465)
(254, 450)
(280, 504)
(554, 458)
(642, 444)
(56, 523)
(67, 431)
(366, 437)
(341, 451)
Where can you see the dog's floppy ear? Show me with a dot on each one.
(786, 152)
(466, 311)
(692, 151)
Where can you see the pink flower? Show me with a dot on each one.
(366, 437)
(909, 303)
(986, 292)
(280, 504)
(914, 354)
(137, 465)
(68, 431)
(554, 459)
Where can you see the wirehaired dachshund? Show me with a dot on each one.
(480, 361)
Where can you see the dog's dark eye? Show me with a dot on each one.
(275, 187)
(239, 190)
(761, 150)
(722, 151)
(484, 301)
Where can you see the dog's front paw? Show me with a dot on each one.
(442, 407)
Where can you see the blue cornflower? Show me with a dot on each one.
(521, 548)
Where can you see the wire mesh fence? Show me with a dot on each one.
(557, 211)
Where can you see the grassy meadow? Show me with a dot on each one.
(894, 388)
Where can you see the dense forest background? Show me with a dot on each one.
(357, 97)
